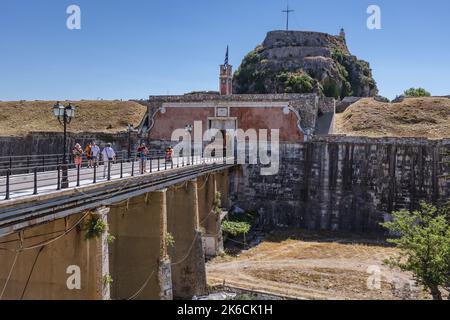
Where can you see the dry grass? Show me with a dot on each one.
(415, 117)
(315, 265)
(19, 118)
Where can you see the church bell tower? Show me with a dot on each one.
(226, 77)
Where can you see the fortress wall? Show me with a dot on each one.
(345, 183)
(52, 143)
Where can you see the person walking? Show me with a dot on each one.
(109, 156)
(77, 152)
(88, 153)
(169, 154)
(142, 153)
(95, 151)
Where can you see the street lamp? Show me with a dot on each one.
(189, 128)
(130, 129)
(64, 114)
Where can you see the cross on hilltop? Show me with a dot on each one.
(287, 11)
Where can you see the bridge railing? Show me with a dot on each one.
(24, 181)
(49, 162)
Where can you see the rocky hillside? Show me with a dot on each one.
(413, 117)
(19, 118)
(304, 62)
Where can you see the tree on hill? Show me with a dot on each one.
(416, 92)
(424, 243)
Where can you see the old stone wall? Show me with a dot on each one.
(307, 105)
(344, 183)
(52, 143)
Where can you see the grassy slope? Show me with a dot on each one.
(415, 117)
(18, 118)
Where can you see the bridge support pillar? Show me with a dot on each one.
(55, 261)
(223, 185)
(210, 215)
(140, 266)
(187, 255)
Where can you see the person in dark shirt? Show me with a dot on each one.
(142, 153)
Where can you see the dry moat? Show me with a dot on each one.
(316, 265)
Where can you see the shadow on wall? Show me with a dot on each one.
(344, 183)
(52, 143)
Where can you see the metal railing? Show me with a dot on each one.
(49, 162)
(32, 180)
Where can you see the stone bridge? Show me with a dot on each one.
(135, 237)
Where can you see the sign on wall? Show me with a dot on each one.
(222, 112)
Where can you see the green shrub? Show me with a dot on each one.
(95, 227)
(416, 92)
(289, 82)
(235, 228)
(170, 241)
(331, 88)
(424, 243)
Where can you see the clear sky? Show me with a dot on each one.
(136, 48)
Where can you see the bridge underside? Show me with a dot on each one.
(158, 251)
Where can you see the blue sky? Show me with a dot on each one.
(136, 48)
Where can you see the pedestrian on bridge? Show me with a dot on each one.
(95, 151)
(142, 153)
(88, 153)
(77, 152)
(109, 156)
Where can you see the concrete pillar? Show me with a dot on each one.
(206, 190)
(140, 266)
(210, 220)
(54, 261)
(223, 186)
(187, 255)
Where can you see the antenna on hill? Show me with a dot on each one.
(287, 11)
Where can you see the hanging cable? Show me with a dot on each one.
(134, 296)
(9, 275)
(31, 273)
(189, 251)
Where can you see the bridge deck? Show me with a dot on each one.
(26, 209)
(27, 184)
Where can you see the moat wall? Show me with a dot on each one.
(43, 143)
(344, 183)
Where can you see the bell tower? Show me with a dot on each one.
(226, 77)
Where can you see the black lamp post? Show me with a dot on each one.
(189, 128)
(64, 115)
(130, 129)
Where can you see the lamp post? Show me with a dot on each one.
(130, 129)
(64, 114)
(189, 128)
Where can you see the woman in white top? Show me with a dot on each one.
(108, 155)
(95, 151)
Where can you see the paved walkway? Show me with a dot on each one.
(22, 185)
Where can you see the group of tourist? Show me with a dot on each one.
(108, 155)
(92, 153)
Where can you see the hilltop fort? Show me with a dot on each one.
(304, 62)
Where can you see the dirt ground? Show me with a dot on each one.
(309, 265)
(427, 117)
